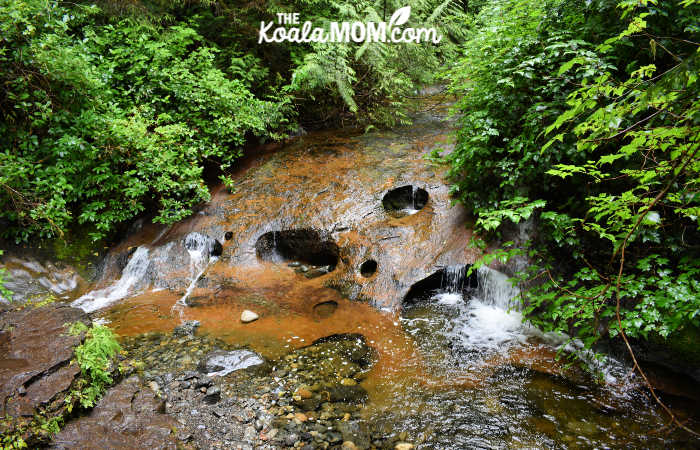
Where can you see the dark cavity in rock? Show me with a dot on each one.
(325, 309)
(228, 235)
(405, 200)
(368, 268)
(306, 245)
(202, 243)
(448, 279)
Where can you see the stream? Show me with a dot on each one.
(339, 233)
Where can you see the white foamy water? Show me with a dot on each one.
(129, 283)
(448, 298)
(199, 248)
(482, 326)
(489, 321)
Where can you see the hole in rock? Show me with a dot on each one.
(325, 309)
(305, 245)
(368, 268)
(217, 249)
(405, 200)
(228, 235)
(201, 243)
(448, 280)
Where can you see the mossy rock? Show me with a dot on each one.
(679, 352)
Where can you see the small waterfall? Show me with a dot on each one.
(496, 290)
(453, 278)
(274, 254)
(276, 257)
(488, 320)
(200, 248)
(132, 275)
(491, 322)
(412, 208)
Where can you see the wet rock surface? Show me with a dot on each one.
(35, 369)
(130, 415)
(32, 278)
(220, 362)
(319, 201)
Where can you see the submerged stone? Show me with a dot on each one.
(347, 394)
(324, 310)
(186, 329)
(220, 363)
(318, 271)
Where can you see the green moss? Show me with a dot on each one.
(77, 249)
(24, 432)
(683, 344)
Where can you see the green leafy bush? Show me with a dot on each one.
(4, 292)
(104, 118)
(585, 116)
(95, 358)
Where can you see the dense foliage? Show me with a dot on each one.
(585, 116)
(110, 110)
(101, 121)
(373, 81)
(4, 292)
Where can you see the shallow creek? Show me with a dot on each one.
(313, 242)
(454, 370)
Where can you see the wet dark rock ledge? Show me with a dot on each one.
(128, 416)
(35, 369)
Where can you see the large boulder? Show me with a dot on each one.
(36, 349)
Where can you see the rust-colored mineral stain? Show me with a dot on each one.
(288, 307)
(285, 302)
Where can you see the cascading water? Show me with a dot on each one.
(275, 255)
(452, 285)
(488, 320)
(412, 209)
(130, 282)
(200, 248)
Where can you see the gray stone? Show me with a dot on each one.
(220, 363)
